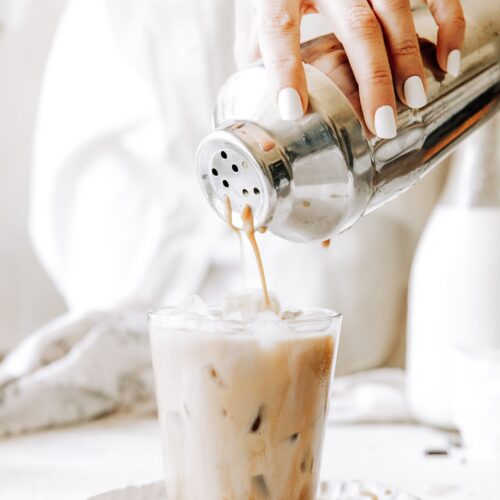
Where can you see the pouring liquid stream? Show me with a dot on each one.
(229, 222)
(249, 229)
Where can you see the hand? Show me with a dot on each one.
(378, 37)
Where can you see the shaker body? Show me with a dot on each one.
(305, 179)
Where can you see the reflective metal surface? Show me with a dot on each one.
(315, 177)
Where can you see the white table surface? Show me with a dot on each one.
(78, 462)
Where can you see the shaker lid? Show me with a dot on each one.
(242, 162)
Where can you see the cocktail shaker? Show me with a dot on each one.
(317, 176)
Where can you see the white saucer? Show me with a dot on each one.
(335, 490)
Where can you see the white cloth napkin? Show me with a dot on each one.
(370, 396)
(77, 368)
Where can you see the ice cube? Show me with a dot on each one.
(248, 303)
(309, 322)
(265, 315)
(194, 307)
(267, 328)
(234, 316)
(290, 314)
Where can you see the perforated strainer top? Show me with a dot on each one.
(227, 167)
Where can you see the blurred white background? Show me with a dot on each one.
(91, 80)
(27, 298)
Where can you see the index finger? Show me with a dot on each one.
(278, 26)
(360, 32)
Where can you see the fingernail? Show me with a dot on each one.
(290, 104)
(453, 66)
(385, 122)
(414, 92)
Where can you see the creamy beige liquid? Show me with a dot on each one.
(241, 420)
(248, 227)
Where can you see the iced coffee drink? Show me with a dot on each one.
(242, 397)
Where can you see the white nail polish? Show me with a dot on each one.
(385, 122)
(415, 92)
(453, 66)
(289, 104)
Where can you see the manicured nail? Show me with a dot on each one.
(290, 104)
(414, 92)
(385, 122)
(453, 66)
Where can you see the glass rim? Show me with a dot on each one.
(161, 314)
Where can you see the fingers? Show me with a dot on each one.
(449, 17)
(401, 39)
(246, 43)
(377, 35)
(328, 55)
(278, 27)
(359, 31)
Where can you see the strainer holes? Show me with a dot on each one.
(223, 154)
(235, 168)
(215, 172)
(225, 183)
(256, 191)
(245, 192)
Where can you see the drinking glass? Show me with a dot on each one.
(242, 404)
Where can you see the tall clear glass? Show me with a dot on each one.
(242, 405)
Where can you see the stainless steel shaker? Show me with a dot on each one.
(315, 177)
